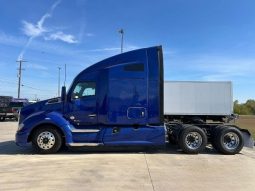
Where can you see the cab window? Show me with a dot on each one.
(84, 89)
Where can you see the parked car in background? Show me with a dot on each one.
(10, 107)
(16, 106)
(4, 106)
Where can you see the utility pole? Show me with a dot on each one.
(121, 31)
(65, 76)
(59, 68)
(19, 75)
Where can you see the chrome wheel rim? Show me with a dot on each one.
(231, 141)
(193, 140)
(46, 140)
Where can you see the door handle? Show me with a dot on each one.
(92, 115)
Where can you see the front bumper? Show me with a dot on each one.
(21, 139)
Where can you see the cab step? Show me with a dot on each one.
(83, 144)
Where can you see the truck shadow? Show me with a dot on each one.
(10, 148)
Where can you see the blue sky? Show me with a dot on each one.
(202, 40)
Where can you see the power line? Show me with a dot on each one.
(36, 88)
(23, 85)
(8, 82)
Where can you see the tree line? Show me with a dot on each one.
(247, 108)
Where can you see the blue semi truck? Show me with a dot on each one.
(120, 102)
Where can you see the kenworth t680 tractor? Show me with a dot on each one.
(120, 102)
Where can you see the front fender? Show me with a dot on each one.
(53, 118)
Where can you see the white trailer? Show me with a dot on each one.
(198, 98)
(198, 112)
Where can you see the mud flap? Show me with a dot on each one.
(248, 140)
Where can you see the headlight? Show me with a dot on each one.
(21, 125)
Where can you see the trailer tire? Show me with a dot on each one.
(47, 140)
(228, 140)
(215, 134)
(192, 140)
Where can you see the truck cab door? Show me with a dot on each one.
(82, 111)
(83, 107)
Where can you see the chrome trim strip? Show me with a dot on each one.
(83, 144)
(74, 130)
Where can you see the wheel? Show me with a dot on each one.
(47, 140)
(192, 140)
(228, 140)
(215, 133)
(2, 118)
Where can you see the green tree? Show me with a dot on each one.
(247, 108)
(250, 104)
(237, 108)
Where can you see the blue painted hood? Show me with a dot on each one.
(48, 105)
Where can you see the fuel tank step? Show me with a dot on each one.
(83, 144)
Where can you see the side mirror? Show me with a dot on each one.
(63, 94)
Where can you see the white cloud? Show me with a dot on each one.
(36, 66)
(40, 46)
(89, 34)
(32, 30)
(62, 36)
(35, 30)
(11, 40)
(114, 49)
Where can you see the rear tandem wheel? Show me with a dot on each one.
(228, 140)
(192, 140)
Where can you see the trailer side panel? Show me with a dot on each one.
(198, 98)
